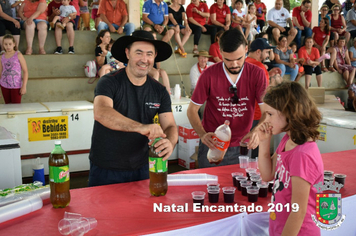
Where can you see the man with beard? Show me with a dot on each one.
(258, 52)
(230, 89)
(125, 104)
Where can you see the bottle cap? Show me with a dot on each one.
(57, 142)
(37, 164)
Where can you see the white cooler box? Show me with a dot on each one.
(10, 168)
(337, 131)
(179, 108)
(37, 125)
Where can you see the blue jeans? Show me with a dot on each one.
(99, 176)
(129, 27)
(286, 69)
(307, 32)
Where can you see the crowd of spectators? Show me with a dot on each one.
(173, 20)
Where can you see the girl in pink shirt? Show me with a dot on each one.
(13, 85)
(296, 166)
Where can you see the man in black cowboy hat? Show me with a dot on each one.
(125, 104)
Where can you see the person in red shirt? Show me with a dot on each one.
(311, 63)
(220, 15)
(302, 21)
(114, 17)
(197, 13)
(261, 10)
(229, 90)
(321, 36)
(259, 51)
(214, 49)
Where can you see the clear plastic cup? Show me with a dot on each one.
(243, 148)
(253, 163)
(229, 194)
(340, 178)
(238, 180)
(213, 195)
(250, 171)
(76, 227)
(213, 186)
(255, 179)
(263, 189)
(198, 197)
(233, 175)
(243, 161)
(328, 173)
(244, 185)
(71, 215)
(252, 193)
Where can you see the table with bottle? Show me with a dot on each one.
(129, 208)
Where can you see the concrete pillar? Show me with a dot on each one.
(134, 10)
(315, 13)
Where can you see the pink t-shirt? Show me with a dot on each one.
(305, 162)
(220, 13)
(213, 87)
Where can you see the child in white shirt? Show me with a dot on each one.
(66, 10)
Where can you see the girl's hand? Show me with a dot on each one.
(23, 90)
(264, 131)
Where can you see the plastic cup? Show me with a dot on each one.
(243, 161)
(329, 179)
(244, 185)
(255, 179)
(263, 189)
(198, 197)
(252, 193)
(76, 227)
(213, 195)
(253, 163)
(238, 179)
(250, 171)
(328, 173)
(229, 194)
(71, 215)
(340, 178)
(243, 148)
(233, 175)
(213, 186)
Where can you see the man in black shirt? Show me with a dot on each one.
(125, 104)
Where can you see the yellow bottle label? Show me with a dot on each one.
(58, 174)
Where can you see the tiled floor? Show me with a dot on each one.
(81, 180)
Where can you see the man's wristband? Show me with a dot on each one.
(154, 25)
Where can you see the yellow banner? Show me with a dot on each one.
(47, 128)
(322, 131)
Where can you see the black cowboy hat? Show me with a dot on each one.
(163, 49)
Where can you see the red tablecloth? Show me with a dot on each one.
(127, 209)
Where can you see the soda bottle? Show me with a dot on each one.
(222, 137)
(158, 172)
(59, 176)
